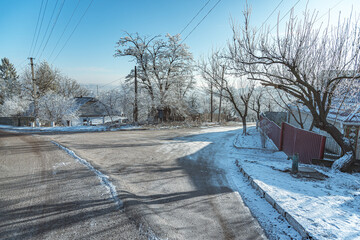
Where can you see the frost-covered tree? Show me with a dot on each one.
(68, 87)
(56, 108)
(9, 84)
(305, 61)
(14, 106)
(164, 68)
(46, 79)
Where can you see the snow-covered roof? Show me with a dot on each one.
(347, 112)
(90, 107)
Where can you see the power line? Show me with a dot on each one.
(67, 25)
(286, 14)
(194, 17)
(73, 31)
(52, 29)
(47, 28)
(271, 14)
(42, 19)
(37, 24)
(201, 21)
(112, 82)
(329, 10)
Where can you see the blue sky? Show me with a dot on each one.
(88, 56)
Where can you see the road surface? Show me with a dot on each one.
(45, 194)
(168, 181)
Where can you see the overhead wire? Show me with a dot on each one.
(195, 16)
(41, 23)
(66, 26)
(201, 21)
(112, 82)
(52, 29)
(271, 14)
(329, 10)
(47, 29)
(285, 15)
(36, 28)
(73, 31)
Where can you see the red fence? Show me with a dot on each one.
(293, 140)
(272, 130)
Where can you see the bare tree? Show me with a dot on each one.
(306, 62)
(237, 90)
(257, 102)
(68, 87)
(291, 105)
(164, 67)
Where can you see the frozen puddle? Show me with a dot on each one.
(104, 179)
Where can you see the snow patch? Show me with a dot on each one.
(341, 161)
(104, 179)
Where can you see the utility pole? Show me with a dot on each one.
(211, 102)
(34, 91)
(97, 90)
(222, 81)
(136, 96)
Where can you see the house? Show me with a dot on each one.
(345, 117)
(92, 112)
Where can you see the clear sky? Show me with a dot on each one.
(88, 55)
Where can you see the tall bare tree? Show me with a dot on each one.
(307, 62)
(235, 88)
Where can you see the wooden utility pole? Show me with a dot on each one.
(136, 96)
(34, 89)
(211, 102)
(221, 88)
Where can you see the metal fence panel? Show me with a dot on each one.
(272, 130)
(293, 140)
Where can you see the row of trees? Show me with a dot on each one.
(54, 93)
(312, 67)
(308, 66)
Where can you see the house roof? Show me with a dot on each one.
(90, 107)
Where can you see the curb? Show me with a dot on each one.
(291, 220)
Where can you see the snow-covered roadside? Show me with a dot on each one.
(67, 129)
(327, 209)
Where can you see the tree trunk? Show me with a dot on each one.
(344, 143)
(244, 125)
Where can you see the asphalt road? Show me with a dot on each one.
(45, 194)
(167, 180)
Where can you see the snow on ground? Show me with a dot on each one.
(328, 209)
(215, 145)
(66, 129)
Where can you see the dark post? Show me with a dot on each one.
(136, 96)
(211, 102)
(34, 89)
(222, 80)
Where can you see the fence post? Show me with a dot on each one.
(322, 147)
(281, 136)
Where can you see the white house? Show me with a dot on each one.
(92, 112)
